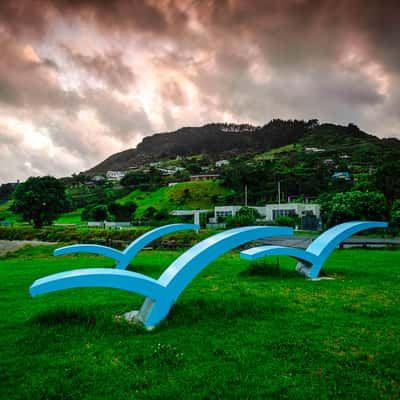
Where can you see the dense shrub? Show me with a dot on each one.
(286, 221)
(351, 206)
(244, 217)
(107, 236)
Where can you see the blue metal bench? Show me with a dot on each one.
(123, 258)
(313, 258)
(160, 294)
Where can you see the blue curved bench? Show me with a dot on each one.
(313, 258)
(160, 294)
(123, 258)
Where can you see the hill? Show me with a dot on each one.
(215, 140)
(218, 140)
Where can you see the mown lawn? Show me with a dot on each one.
(234, 333)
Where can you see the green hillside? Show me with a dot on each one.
(185, 195)
(6, 214)
(72, 217)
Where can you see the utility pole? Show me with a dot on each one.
(245, 195)
(279, 195)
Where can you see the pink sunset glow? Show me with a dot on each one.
(82, 80)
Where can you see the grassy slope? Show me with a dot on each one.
(270, 155)
(230, 335)
(6, 213)
(73, 217)
(200, 196)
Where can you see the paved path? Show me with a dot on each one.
(289, 241)
(303, 241)
(12, 245)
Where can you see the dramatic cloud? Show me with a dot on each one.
(80, 80)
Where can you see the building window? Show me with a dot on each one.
(283, 213)
(223, 214)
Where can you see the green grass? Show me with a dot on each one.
(235, 332)
(199, 195)
(73, 217)
(270, 155)
(6, 213)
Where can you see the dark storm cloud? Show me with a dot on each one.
(27, 17)
(108, 68)
(26, 82)
(71, 69)
(123, 120)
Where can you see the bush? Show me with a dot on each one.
(246, 216)
(99, 213)
(91, 235)
(286, 221)
(395, 218)
(351, 206)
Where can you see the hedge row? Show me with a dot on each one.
(117, 238)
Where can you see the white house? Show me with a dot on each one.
(313, 150)
(115, 175)
(221, 163)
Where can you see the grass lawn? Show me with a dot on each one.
(235, 332)
(73, 217)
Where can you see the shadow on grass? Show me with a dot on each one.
(105, 321)
(65, 317)
(223, 311)
(268, 269)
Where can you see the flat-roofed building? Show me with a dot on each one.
(270, 211)
(291, 209)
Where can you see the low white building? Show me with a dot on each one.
(221, 163)
(291, 209)
(270, 211)
(230, 211)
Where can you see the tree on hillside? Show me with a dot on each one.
(387, 180)
(6, 190)
(122, 212)
(134, 178)
(99, 213)
(40, 200)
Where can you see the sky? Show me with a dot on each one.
(81, 80)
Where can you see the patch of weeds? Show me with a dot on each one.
(270, 269)
(165, 354)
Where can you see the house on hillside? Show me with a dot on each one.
(313, 150)
(115, 175)
(204, 177)
(345, 176)
(221, 163)
(170, 170)
(329, 162)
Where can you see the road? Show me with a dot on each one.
(12, 245)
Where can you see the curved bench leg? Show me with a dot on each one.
(303, 269)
